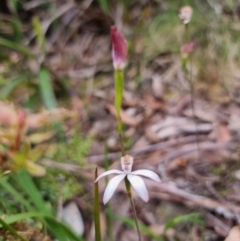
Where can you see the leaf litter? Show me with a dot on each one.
(192, 152)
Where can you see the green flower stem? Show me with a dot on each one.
(128, 187)
(187, 32)
(185, 57)
(98, 236)
(185, 60)
(119, 83)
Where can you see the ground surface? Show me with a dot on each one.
(181, 123)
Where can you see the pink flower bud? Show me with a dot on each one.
(188, 47)
(119, 49)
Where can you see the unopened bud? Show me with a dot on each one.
(119, 49)
(188, 48)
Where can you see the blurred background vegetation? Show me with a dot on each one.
(55, 61)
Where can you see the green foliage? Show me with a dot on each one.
(119, 83)
(9, 86)
(11, 230)
(29, 197)
(131, 223)
(192, 218)
(39, 34)
(74, 150)
(46, 88)
(105, 5)
(15, 46)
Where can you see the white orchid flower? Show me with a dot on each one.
(133, 177)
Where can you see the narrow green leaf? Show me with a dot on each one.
(14, 5)
(61, 231)
(12, 230)
(58, 229)
(39, 33)
(46, 89)
(21, 216)
(195, 218)
(49, 99)
(15, 46)
(10, 86)
(143, 228)
(98, 236)
(104, 4)
(8, 187)
(26, 183)
(17, 29)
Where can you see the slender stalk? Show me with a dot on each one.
(128, 187)
(119, 82)
(98, 236)
(191, 84)
(121, 143)
(108, 206)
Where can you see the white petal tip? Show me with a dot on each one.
(146, 200)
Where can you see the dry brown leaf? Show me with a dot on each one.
(153, 103)
(157, 85)
(8, 114)
(126, 119)
(234, 234)
(159, 229)
(40, 137)
(177, 164)
(223, 133)
(46, 117)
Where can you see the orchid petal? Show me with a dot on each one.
(111, 187)
(147, 173)
(108, 173)
(139, 186)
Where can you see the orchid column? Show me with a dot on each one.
(119, 56)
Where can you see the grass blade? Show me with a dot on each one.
(97, 223)
(12, 230)
(104, 4)
(12, 84)
(15, 46)
(143, 228)
(22, 178)
(195, 218)
(16, 194)
(46, 89)
(59, 230)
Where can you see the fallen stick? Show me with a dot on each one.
(176, 194)
(149, 148)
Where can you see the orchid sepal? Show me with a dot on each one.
(108, 173)
(133, 177)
